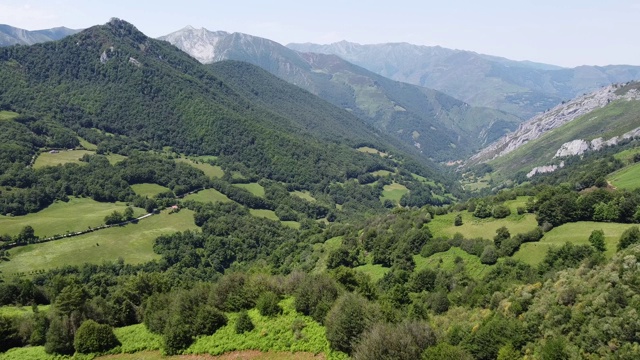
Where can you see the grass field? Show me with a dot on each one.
(375, 272)
(61, 217)
(234, 355)
(87, 145)
(576, 233)
(209, 170)
(7, 115)
(393, 192)
(626, 178)
(627, 155)
(63, 157)
(132, 242)
(323, 250)
(472, 227)
(446, 261)
(370, 150)
(149, 190)
(208, 195)
(304, 195)
(254, 188)
(267, 214)
(115, 158)
(381, 173)
(20, 311)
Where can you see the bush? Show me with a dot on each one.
(346, 321)
(458, 220)
(244, 323)
(445, 351)
(209, 320)
(394, 341)
(92, 337)
(489, 255)
(597, 240)
(177, 337)
(267, 304)
(629, 237)
(500, 211)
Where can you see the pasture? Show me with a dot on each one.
(208, 195)
(393, 192)
(115, 158)
(61, 217)
(472, 227)
(304, 195)
(149, 190)
(447, 261)
(132, 242)
(576, 233)
(212, 171)
(87, 145)
(254, 188)
(7, 115)
(626, 178)
(370, 150)
(62, 157)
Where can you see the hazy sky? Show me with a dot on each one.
(561, 32)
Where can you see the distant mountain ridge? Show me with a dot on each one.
(442, 127)
(519, 87)
(10, 35)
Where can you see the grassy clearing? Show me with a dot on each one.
(31, 353)
(626, 178)
(447, 261)
(576, 233)
(323, 250)
(149, 190)
(208, 195)
(7, 115)
(267, 214)
(627, 155)
(292, 224)
(370, 150)
(87, 145)
(63, 157)
(136, 338)
(381, 173)
(212, 171)
(270, 334)
(133, 243)
(474, 184)
(234, 355)
(254, 188)
(304, 195)
(61, 217)
(393, 192)
(20, 311)
(115, 158)
(375, 272)
(472, 227)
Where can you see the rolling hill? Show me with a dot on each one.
(518, 87)
(10, 35)
(438, 125)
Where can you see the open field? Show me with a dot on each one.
(63, 157)
(209, 170)
(626, 178)
(323, 250)
(61, 217)
(234, 355)
(472, 227)
(208, 195)
(447, 261)
(267, 214)
(149, 190)
(375, 272)
(381, 173)
(304, 195)
(370, 150)
(20, 311)
(576, 233)
(254, 188)
(7, 115)
(393, 192)
(87, 145)
(115, 158)
(132, 242)
(627, 155)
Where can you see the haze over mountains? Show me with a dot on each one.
(518, 87)
(10, 35)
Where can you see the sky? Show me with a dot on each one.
(561, 32)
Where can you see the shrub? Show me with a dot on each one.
(209, 320)
(489, 255)
(597, 240)
(394, 341)
(244, 323)
(346, 321)
(629, 237)
(458, 220)
(92, 337)
(500, 211)
(267, 304)
(445, 351)
(177, 337)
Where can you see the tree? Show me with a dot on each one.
(209, 320)
(267, 304)
(482, 210)
(458, 220)
(445, 351)
(597, 240)
(383, 341)
(500, 211)
(92, 337)
(502, 234)
(244, 323)
(489, 255)
(629, 237)
(59, 337)
(26, 235)
(346, 321)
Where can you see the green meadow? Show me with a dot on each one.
(7, 115)
(132, 242)
(626, 178)
(304, 195)
(212, 171)
(208, 195)
(393, 192)
(254, 188)
(149, 190)
(62, 157)
(61, 217)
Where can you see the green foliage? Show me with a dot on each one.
(60, 336)
(500, 211)
(267, 304)
(315, 296)
(404, 341)
(489, 255)
(92, 337)
(629, 237)
(458, 220)
(243, 323)
(597, 240)
(444, 350)
(346, 321)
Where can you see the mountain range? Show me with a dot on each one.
(10, 35)
(443, 127)
(518, 87)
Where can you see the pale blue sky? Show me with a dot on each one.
(561, 32)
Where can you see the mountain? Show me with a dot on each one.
(10, 35)
(115, 79)
(518, 87)
(440, 126)
(590, 122)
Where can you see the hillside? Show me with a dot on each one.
(115, 79)
(520, 88)
(10, 35)
(590, 122)
(441, 127)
